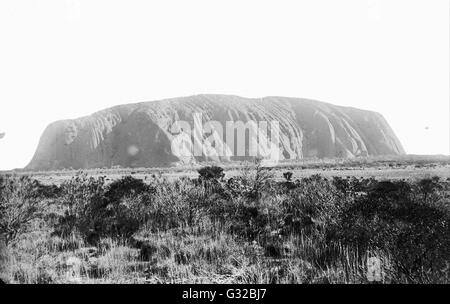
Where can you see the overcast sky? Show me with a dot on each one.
(69, 58)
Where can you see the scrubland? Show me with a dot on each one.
(250, 228)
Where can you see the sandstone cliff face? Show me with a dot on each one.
(141, 134)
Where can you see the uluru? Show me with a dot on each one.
(140, 134)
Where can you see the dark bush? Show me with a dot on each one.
(287, 176)
(123, 210)
(211, 173)
(400, 218)
(96, 210)
(81, 197)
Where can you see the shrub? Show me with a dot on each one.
(211, 173)
(96, 210)
(81, 197)
(404, 219)
(287, 176)
(20, 204)
(313, 205)
(124, 207)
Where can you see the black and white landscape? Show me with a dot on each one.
(239, 142)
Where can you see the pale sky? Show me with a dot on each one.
(64, 59)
